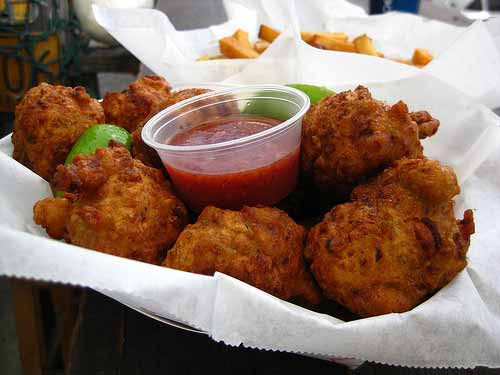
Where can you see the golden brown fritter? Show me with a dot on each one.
(350, 136)
(52, 213)
(427, 125)
(49, 120)
(396, 243)
(179, 96)
(260, 246)
(131, 108)
(142, 151)
(114, 204)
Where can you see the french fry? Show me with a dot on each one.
(402, 61)
(333, 44)
(364, 45)
(268, 33)
(234, 49)
(339, 36)
(239, 46)
(261, 45)
(242, 36)
(307, 36)
(421, 57)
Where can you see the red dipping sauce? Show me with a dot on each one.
(264, 185)
(222, 130)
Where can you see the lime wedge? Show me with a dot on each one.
(315, 93)
(97, 136)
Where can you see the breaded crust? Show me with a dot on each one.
(49, 120)
(396, 243)
(260, 246)
(349, 137)
(115, 205)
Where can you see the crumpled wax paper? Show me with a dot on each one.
(458, 327)
(465, 57)
(153, 39)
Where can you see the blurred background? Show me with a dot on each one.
(58, 41)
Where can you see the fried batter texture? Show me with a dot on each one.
(131, 108)
(396, 243)
(49, 120)
(350, 136)
(427, 125)
(260, 246)
(142, 151)
(114, 204)
(179, 96)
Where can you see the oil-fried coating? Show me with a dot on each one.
(52, 213)
(49, 120)
(143, 99)
(260, 246)
(114, 204)
(396, 243)
(350, 136)
(142, 151)
(427, 125)
(179, 96)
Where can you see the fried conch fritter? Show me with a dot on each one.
(113, 204)
(143, 99)
(350, 136)
(49, 120)
(396, 243)
(260, 246)
(142, 151)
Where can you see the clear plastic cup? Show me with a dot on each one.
(260, 169)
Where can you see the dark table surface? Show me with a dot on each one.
(113, 339)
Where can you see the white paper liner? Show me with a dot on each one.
(466, 58)
(457, 327)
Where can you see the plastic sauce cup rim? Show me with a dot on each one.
(146, 130)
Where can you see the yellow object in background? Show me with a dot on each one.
(19, 11)
(15, 75)
(15, 12)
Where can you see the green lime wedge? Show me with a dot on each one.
(315, 93)
(97, 136)
(269, 105)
